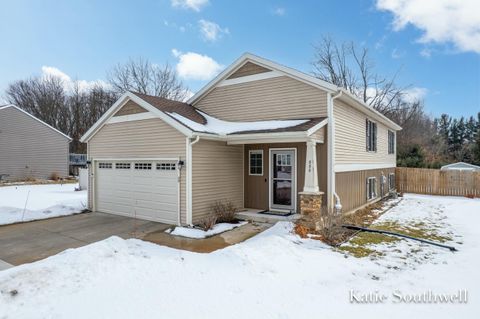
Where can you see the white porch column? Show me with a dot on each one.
(311, 172)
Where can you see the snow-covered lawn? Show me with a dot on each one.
(199, 233)
(273, 275)
(32, 202)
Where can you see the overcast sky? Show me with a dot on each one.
(433, 44)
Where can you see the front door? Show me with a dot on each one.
(282, 179)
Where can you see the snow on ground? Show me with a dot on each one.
(272, 275)
(42, 201)
(199, 233)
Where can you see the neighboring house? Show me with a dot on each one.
(460, 166)
(260, 135)
(30, 148)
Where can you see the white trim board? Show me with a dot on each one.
(250, 78)
(131, 117)
(361, 167)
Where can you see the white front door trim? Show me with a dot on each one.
(270, 177)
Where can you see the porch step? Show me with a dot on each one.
(256, 216)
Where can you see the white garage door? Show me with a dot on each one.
(142, 189)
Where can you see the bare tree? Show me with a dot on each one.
(71, 111)
(351, 68)
(140, 75)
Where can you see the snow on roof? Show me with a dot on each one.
(460, 166)
(221, 127)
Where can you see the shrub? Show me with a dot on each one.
(208, 222)
(54, 176)
(225, 212)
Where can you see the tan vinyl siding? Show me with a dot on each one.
(257, 187)
(248, 68)
(270, 99)
(319, 135)
(217, 174)
(351, 187)
(130, 108)
(350, 138)
(29, 148)
(150, 138)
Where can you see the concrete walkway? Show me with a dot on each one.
(32, 241)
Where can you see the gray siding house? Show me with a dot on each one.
(30, 148)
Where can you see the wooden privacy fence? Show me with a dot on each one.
(437, 182)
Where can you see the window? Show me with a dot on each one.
(122, 165)
(371, 134)
(166, 166)
(104, 165)
(143, 166)
(256, 162)
(391, 142)
(371, 188)
(391, 181)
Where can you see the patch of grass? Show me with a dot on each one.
(418, 230)
(357, 251)
(358, 245)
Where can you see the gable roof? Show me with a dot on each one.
(189, 120)
(295, 74)
(461, 165)
(4, 107)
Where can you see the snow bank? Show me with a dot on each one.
(39, 202)
(199, 233)
(273, 275)
(221, 127)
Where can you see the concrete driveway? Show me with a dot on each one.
(32, 241)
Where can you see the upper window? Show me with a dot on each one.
(143, 166)
(371, 133)
(391, 142)
(104, 165)
(256, 162)
(371, 188)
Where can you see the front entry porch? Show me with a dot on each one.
(277, 174)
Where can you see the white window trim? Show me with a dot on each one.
(250, 152)
(389, 176)
(388, 142)
(375, 190)
(376, 137)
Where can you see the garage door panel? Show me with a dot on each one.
(145, 193)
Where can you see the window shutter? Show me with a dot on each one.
(374, 137)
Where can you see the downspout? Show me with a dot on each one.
(331, 193)
(189, 179)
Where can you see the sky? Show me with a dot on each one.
(433, 46)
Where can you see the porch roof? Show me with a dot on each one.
(200, 122)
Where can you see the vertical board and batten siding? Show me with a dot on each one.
(437, 182)
(350, 138)
(29, 148)
(257, 187)
(217, 174)
(151, 138)
(352, 190)
(269, 99)
(248, 68)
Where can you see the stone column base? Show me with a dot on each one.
(311, 209)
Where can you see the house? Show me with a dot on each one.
(29, 147)
(261, 135)
(461, 166)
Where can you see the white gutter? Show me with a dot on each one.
(331, 150)
(189, 179)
